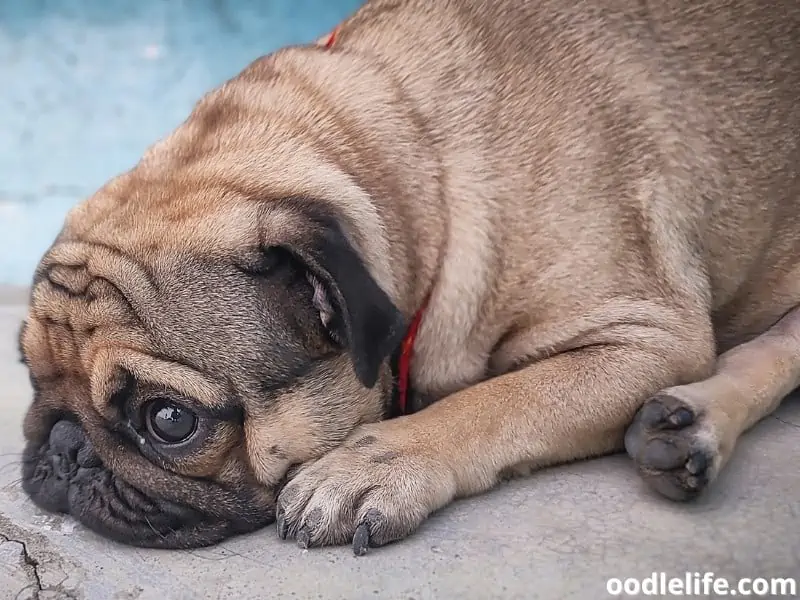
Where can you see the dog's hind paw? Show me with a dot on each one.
(674, 447)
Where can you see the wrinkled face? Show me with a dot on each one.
(183, 360)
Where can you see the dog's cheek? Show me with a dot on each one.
(308, 421)
(237, 474)
(271, 443)
(213, 456)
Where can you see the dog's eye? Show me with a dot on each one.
(170, 423)
(262, 261)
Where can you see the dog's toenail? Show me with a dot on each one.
(304, 537)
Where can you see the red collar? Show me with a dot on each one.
(331, 38)
(407, 345)
(404, 361)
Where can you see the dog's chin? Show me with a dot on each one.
(65, 475)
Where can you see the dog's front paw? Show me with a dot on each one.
(374, 489)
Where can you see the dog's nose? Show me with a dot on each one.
(87, 457)
(66, 438)
(69, 442)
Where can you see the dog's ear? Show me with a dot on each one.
(352, 306)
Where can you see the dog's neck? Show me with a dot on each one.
(415, 232)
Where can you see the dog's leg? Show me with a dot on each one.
(389, 476)
(684, 435)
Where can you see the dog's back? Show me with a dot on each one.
(675, 124)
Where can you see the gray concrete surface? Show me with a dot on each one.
(557, 535)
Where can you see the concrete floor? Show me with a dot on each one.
(557, 535)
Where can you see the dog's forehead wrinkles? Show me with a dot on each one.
(156, 210)
(76, 293)
(81, 261)
(157, 372)
(88, 300)
(73, 280)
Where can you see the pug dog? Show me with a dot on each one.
(534, 232)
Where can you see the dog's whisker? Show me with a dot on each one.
(156, 531)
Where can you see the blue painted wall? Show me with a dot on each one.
(87, 85)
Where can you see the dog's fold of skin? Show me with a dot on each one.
(599, 200)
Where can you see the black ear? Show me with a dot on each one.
(371, 325)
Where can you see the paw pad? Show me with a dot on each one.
(673, 447)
